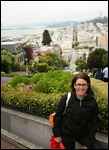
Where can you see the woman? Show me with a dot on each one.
(79, 121)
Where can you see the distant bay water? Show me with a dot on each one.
(25, 31)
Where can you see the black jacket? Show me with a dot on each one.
(80, 118)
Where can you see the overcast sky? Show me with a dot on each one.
(24, 12)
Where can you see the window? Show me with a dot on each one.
(18, 59)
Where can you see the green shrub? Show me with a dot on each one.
(2, 73)
(45, 85)
(16, 67)
(44, 97)
(100, 90)
(36, 78)
(32, 102)
(18, 79)
(56, 81)
(52, 68)
(64, 63)
(42, 67)
(24, 67)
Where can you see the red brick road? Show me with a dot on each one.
(4, 83)
(6, 145)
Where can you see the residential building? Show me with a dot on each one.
(56, 49)
(102, 41)
(16, 49)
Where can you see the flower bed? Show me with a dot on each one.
(36, 103)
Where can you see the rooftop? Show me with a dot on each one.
(9, 43)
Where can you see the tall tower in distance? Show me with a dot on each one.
(100, 14)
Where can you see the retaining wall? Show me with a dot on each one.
(34, 129)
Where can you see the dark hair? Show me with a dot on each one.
(81, 76)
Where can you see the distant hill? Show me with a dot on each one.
(99, 20)
(62, 24)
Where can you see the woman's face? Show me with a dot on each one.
(81, 87)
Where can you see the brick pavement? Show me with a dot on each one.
(7, 145)
(4, 83)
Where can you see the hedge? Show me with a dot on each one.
(100, 90)
(46, 103)
(42, 67)
(36, 103)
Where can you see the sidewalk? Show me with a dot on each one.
(12, 141)
(7, 145)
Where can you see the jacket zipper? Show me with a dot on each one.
(80, 103)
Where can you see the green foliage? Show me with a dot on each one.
(7, 61)
(79, 60)
(52, 68)
(46, 103)
(24, 67)
(46, 59)
(75, 45)
(35, 66)
(46, 38)
(16, 67)
(36, 103)
(105, 60)
(18, 79)
(64, 63)
(55, 59)
(42, 67)
(48, 90)
(99, 52)
(82, 65)
(53, 81)
(100, 90)
(2, 73)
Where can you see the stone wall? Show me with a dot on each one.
(35, 129)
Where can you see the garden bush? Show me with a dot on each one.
(24, 67)
(100, 90)
(36, 103)
(56, 81)
(42, 67)
(16, 67)
(18, 79)
(47, 91)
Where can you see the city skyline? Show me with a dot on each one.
(24, 12)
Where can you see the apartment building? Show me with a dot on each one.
(102, 41)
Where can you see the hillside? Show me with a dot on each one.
(62, 24)
(100, 20)
(67, 23)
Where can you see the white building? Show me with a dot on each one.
(76, 54)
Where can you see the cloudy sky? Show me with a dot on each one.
(24, 12)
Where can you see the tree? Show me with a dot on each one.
(79, 60)
(56, 60)
(29, 52)
(94, 61)
(105, 60)
(45, 59)
(83, 65)
(46, 38)
(7, 61)
(99, 52)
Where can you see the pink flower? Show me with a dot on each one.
(24, 89)
(31, 83)
(28, 86)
